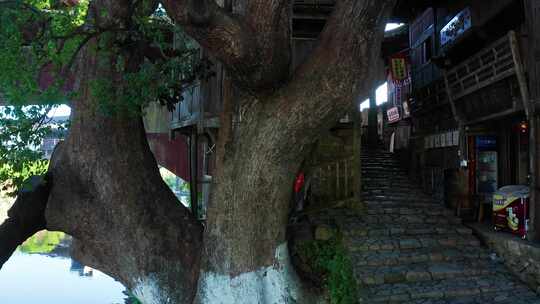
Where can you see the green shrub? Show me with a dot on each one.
(330, 259)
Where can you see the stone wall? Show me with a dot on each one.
(521, 257)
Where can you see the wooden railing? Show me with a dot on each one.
(333, 181)
(194, 109)
(187, 112)
(433, 182)
(488, 66)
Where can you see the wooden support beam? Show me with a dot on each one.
(373, 133)
(357, 150)
(520, 73)
(532, 16)
(194, 170)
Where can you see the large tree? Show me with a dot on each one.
(103, 187)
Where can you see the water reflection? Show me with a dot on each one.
(42, 271)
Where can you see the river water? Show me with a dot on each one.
(43, 272)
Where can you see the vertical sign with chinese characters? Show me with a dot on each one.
(399, 69)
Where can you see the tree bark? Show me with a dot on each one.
(246, 258)
(107, 192)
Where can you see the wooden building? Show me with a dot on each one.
(472, 118)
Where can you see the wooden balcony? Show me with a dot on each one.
(195, 110)
(490, 65)
(309, 17)
(430, 97)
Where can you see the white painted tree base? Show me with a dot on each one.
(148, 292)
(277, 284)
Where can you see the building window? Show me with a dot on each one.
(427, 50)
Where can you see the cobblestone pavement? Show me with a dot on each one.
(407, 248)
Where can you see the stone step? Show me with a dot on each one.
(380, 177)
(409, 248)
(376, 155)
(384, 180)
(448, 291)
(366, 162)
(375, 168)
(366, 159)
(520, 295)
(379, 162)
(418, 256)
(398, 198)
(393, 219)
(404, 230)
(383, 174)
(405, 209)
(392, 188)
(376, 275)
(409, 189)
(410, 193)
(383, 165)
(396, 203)
(390, 243)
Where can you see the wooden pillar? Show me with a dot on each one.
(193, 168)
(532, 15)
(373, 136)
(357, 150)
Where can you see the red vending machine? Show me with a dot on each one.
(511, 209)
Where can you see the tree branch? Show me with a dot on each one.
(26, 217)
(271, 21)
(341, 67)
(251, 47)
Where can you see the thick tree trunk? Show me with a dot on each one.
(108, 194)
(246, 256)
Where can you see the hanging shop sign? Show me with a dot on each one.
(393, 114)
(399, 69)
(442, 140)
(460, 24)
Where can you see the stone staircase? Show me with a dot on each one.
(408, 248)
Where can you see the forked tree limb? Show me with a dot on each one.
(26, 217)
(255, 47)
(341, 68)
